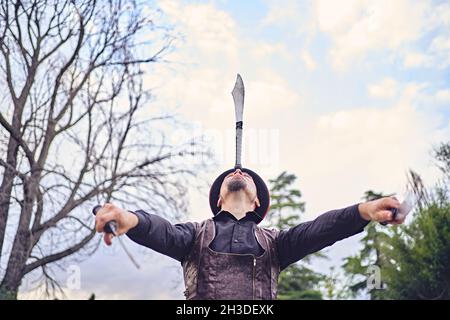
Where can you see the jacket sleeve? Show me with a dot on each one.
(155, 232)
(295, 243)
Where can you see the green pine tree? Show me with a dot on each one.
(420, 256)
(372, 253)
(420, 251)
(297, 281)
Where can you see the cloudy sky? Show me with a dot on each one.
(347, 95)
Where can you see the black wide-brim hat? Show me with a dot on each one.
(261, 187)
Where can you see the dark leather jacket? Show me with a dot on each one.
(214, 275)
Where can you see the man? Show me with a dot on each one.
(230, 256)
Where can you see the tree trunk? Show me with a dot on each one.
(7, 293)
(8, 178)
(5, 198)
(16, 264)
(22, 242)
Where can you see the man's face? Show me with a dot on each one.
(239, 181)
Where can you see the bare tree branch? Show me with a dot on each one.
(60, 255)
(17, 136)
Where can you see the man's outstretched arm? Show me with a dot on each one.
(149, 230)
(308, 237)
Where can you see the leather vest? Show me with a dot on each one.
(214, 275)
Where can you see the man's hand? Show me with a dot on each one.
(125, 220)
(379, 210)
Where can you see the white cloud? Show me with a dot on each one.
(337, 16)
(348, 152)
(437, 55)
(308, 60)
(441, 15)
(387, 88)
(280, 13)
(269, 93)
(296, 15)
(440, 49)
(443, 96)
(357, 27)
(263, 50)
(212, 29)
(415, 59)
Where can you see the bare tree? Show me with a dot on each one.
(75, 129)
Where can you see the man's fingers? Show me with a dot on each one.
(102, 218)
(108, 238)
(99, 224)
(390, 202)
(385, 215)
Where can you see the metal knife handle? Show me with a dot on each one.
(110, 226)
(394, 216)
(238, 145)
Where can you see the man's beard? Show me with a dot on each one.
(236, 185)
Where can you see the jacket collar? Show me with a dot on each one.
(249, 216)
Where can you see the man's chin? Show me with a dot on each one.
(236, 185)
